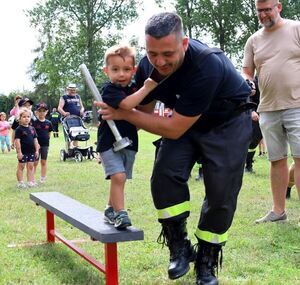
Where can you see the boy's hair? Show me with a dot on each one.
(120, 50)
(164, 24)
(22, 111)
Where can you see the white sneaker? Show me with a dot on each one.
(32, 184)
(42, 180)
(21, 184)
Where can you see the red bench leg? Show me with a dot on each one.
(50, 226)
(111, 264)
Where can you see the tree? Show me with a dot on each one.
(73, 32)
(226, 23)
(291, 9)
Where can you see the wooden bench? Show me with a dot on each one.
(91, 222)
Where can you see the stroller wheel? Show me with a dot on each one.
(78, 156)
(63, 155)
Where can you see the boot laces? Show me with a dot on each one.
(162, 238)
(176, 246)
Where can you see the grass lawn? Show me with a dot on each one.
(255, 254)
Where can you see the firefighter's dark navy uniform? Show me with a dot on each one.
(211, 86)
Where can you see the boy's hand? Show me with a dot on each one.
(19, 155)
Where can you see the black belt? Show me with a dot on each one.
(245, 106)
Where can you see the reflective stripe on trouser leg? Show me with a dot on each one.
(211, 237)
(174, 211)
(224, 152)
(172, 168)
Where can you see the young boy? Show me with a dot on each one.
(43, 129)
(27, 148)
(119, 67)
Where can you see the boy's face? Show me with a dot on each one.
(41, 113)
(120, 71)
(3, 117)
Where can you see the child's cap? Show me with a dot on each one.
(25, 100)
(41, 105)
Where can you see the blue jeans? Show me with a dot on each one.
(5, 141)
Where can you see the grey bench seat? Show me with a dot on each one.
(85, 218)
(89, 221)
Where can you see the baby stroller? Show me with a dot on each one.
(74, 132)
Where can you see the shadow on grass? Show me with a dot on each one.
(65, 265)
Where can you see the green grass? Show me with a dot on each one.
(255, 254)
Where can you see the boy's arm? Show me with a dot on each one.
(134, 99)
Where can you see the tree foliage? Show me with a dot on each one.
(226, 23)
(74, 32)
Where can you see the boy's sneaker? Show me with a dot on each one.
(122, 220)
(21, 184)
(32, 184)
(272, 217)
(109, 215)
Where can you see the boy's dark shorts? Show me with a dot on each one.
(44, 152)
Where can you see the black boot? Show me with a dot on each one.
(206, 263)
(174, 235)
(249, 161)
